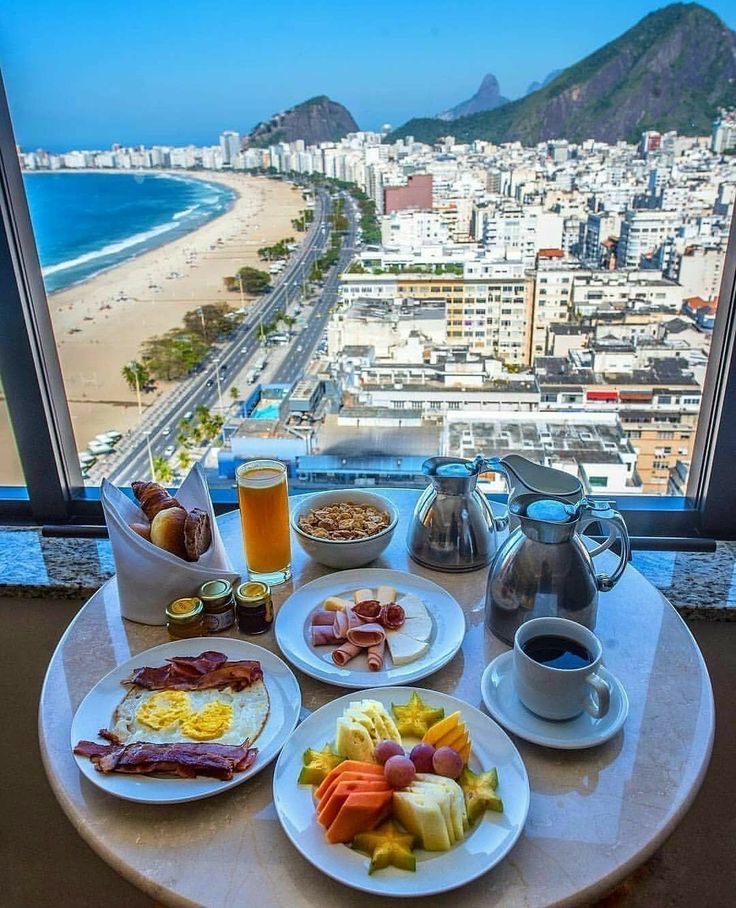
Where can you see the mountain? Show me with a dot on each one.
(535, 86)
(672, 70)
(316, 120)
(487, 97)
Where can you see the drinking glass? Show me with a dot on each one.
(264, 519)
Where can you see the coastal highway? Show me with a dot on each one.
(210, 386)
(303, 347)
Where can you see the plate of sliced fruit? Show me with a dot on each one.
(402, 792)
(370, 628)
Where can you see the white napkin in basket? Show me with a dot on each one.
(148, 577)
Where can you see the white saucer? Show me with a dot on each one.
(499, 696)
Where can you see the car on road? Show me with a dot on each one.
(299, 348)
(210, 382)
(188, 415)
(166, 431)
(169, 450)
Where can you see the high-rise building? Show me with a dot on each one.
(229, 145)
(416, 194)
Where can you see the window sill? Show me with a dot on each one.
(699, 585)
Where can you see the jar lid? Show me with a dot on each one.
(182, 611)
(252, 593)
(214, 592)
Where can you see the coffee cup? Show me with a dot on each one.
(555, 669)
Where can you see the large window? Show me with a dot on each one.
(224, 300)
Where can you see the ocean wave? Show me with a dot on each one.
(182, 214)
(110, 249)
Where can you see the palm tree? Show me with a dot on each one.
(136, 375)
(202, 412)
(183, 459)
(234, 393)
(161, 468)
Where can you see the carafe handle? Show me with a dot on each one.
(602, 512)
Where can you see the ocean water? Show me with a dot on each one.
(85, 223)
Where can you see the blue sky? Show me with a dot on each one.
(87, 74)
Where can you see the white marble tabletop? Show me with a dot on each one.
(594, 816)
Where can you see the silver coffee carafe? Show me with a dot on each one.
(453, 527)
(545, 569)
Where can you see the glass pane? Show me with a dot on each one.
(11, 473)
(354, 306)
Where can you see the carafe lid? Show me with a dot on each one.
(551, 511)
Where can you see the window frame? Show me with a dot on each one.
(32, 380)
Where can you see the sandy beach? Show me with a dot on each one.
(100, 324)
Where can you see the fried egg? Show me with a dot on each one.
(170, 716)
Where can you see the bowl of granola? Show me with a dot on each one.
(345, 528)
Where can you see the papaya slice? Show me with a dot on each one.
(361, 812)
(330, 806)
(347, 777)
(346, 766)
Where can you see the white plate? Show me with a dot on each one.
(96, 710)
(292, 629)
(489, 841)
(499, 696)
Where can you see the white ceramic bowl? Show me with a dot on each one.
(344, 553)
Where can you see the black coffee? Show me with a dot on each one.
(557, 652)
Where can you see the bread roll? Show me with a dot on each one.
(153, 498)
(142, 529)
(197, 533)
(167, 531)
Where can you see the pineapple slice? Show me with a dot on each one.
(422, 815)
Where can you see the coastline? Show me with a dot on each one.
(100, 323)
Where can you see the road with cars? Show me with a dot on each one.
(155, 435)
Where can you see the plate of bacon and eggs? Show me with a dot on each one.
(185, 720)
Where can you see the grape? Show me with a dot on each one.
(386, 749)
(399, 771)
(447, 762)
(421, 756)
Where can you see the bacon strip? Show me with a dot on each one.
(343, 654)
(366, 635)
(186, 760)
(375, 656)
(209, 670)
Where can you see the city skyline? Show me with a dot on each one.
(58, 88)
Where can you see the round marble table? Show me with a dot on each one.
(595, 814)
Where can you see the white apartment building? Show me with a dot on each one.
(410, 229)
(517, 234)
(643, 233)
(229, 146)
(594, 290)
(699, 271)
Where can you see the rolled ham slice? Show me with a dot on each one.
(344, 653)
(366, 635)
(322, 616)
(340, 625)
(322, 635)
(375, 656)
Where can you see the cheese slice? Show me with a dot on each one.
(420, 627)
(413, 606)
(386, 594)
(362, 595)
(404, 648)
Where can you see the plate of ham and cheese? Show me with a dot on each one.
(370, 628)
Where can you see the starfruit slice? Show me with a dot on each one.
(317, 763)
(479, 790)
(387, 846)
(415, 718)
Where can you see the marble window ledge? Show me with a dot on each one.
(31, 566)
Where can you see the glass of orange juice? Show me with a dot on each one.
(264, 518)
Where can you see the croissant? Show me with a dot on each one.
(153, 498)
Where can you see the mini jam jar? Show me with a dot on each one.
(185, 618)
(219, 605)
(254, 607)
